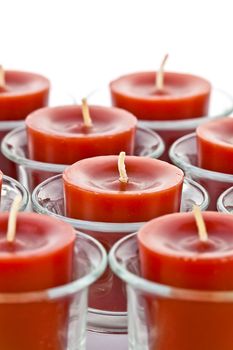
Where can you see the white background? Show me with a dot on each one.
(81, 45)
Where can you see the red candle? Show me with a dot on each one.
(94, 192)
(215, 145)
(59, 135)
(40, 257)
(172, 253)
(183, 96)
(21, 93)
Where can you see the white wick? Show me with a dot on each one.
(11, 229)
(86, 113)
(2, 77)
(121, 168)
(159, 81)
(202, 232)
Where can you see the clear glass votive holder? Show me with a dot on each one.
(107, 298)
(225, 201)
(7, 166)
(53, 319)
(183, 154)
(31, 172)
(10, 189)
(221, 105)
(161, 317)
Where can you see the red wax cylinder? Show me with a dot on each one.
(215, 145)
(172, 254)
(24, 92)
(93, 190)
(58, 135)
(184, 96)
(40, 257)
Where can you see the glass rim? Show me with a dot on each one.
(52, 167)
(103, 226)
(183, 124)
(220, 206)
(7, 180)
(193, 169)
(63, 290)
(10, 124)
(162, 290)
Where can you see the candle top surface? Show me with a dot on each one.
(68, 121)
(176, 85)
(176, 235)
(21, 83)
(218, 131)
(145, 175)
(36, 235)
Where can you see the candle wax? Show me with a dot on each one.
(184, 96)
(215, 145)
(24, 92)
(58, 135)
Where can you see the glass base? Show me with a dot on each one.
(10, 189)
(107, 297)
(53, 318)
(183, 153)
(162, 317)
(97, 341)
(225, 201)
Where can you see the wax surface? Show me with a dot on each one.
(93, 190)
(215, 145)
(39, 258)
(172, 254)
(184, 96)
(58, 135)
(24, 92)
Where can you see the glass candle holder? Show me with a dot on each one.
(31, 172)
(225, 201)
(10, 189)
(107, 301)
(161, 317)
(183, 153)
(221, 105)
(54, 318)
(7, 166)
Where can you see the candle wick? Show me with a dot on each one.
(202, 232)
(159, 81)
(11, 229)
(121, 168)
(86, 113)
(2, 78)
